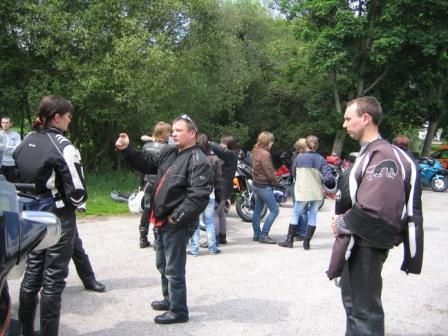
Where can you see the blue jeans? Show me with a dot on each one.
(171, 257)
(264, 195)
(305, 207)
(303, 222)
(208, 216)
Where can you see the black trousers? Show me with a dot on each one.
(361, 286)
(46, 271)
(81, 260)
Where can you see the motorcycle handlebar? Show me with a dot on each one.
(30, 187)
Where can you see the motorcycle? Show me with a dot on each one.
(432, 174)
(243, 194)
(21, 231)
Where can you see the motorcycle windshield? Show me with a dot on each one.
(8, 196)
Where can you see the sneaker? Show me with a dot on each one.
(192, 254)
(218, 251)
(256, 238)
(267, 240)
(204, 244)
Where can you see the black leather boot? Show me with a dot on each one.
(50, 313)
(92, 284)
(308, 235)
(27, 312)
(222, 238)
(290, 237)
(144, 242)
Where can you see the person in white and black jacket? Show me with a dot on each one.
(50, 161)
(386, 210)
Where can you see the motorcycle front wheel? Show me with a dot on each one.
(245, 208)
(439, 184)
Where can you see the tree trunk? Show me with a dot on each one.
(338, 143)
(432, 127)
(340, 136)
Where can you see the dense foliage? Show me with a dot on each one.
(236, 66)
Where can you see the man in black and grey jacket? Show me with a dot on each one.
(386, 210)
(180, 194)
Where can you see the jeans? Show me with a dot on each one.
(361, 286)
(208, 216)
(171, 257)
(264, 195)
(304, 207)
(303, 222)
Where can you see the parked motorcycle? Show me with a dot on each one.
(432, 174)
(20, 233)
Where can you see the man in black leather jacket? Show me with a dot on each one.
(180, 194)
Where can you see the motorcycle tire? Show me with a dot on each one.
(245, 212)
(439, 184)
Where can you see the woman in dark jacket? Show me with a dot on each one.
(158, 141)
(227, 152)
(50, 161)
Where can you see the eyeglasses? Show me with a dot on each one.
(187, 118)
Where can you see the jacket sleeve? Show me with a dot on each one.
(327, 175)
(73, 179)
(144, 161)
(199, 187)
(223, 153)
(413, 242)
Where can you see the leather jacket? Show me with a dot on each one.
(183, 184)
(50, 161)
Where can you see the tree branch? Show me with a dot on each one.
(371, 86)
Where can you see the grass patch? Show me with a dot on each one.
(99, 187)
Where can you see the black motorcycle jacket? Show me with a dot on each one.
(183, 183)
(50, 161)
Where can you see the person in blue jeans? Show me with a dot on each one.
(312, 171)
(264, 179)
(208, 216)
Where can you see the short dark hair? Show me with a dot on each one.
(369, 105)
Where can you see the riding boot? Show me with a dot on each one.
(50, 313)
(222, 238)
(144, 242)
(27, 312)
(308, 235)
(290, 236)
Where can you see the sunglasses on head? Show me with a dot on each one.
(188, 119)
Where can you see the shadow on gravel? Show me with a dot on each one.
(244, 310)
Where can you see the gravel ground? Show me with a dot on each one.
(250, 288)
